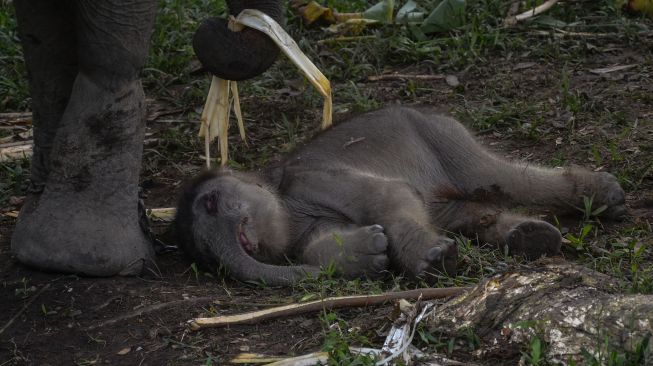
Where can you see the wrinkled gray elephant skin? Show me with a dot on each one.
(377, 193)
(83, 59)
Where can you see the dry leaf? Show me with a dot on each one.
(606, 70)
(523, 65)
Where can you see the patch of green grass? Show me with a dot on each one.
(14, 93)
(357, 99)
(624, 254)
(571, 98)
(13, 179)
(607, 355)
(25, 289)
(535, 353)
(634, 171)
(463, 341)
(171, 47)
(337, 340)
(578, 241)
(329, 283)
(517, 116)
(348, 6)
(558, 160)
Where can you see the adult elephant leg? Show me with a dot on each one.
(86, 220)
(47, 33)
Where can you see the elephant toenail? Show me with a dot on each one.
(379, 243)
(381, 262)
(434, 254)
(376, 228)
(421, 268)
(616, 197)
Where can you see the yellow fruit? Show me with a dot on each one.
(641, 6)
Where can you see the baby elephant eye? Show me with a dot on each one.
(211, 203)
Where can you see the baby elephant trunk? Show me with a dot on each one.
(245, 268)
(222, 245)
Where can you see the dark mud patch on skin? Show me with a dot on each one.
(81, 180)
(492, 194)
(108, 128)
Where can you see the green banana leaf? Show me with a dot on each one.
(382, 11)
(447, 15)
(409, 13)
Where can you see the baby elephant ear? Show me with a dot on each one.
(239, 55)
(211, 202)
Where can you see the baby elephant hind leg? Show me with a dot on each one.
(561, 191)
(354, 251)
(522, 235)
(482, 176)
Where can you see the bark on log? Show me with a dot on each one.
(576, 313)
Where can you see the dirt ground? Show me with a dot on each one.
(552, 111)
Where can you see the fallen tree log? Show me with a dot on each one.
(575, 314)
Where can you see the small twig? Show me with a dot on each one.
(147, 309)
(17, 143)
(512, 20)
(173, 120)
(106, 303)
(561, 34)
(344, 39)
(19, 116)
(536, 10)
(22, 310)
(10, 127)
(155, 115)
(328, 303)
(166, 214)
(405, 76)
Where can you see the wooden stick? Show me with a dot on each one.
(405, 76)
(17, 143)
(536, 10)
(166, 214)
(345, 39)
(15, 116)
(22, 310)
(512, 20)
(328, 303)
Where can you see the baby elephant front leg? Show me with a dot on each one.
(421, 252)
(354, 251)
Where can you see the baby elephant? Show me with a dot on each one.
(376, 193)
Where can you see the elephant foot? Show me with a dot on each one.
(70, 233)
(533, 239)
(86, 220)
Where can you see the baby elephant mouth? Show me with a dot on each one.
(244, 241)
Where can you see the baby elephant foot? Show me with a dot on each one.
(533, 239)
(365, 254)
(436, 255)
(608, 193)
